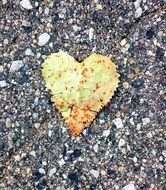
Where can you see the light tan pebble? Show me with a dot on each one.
(130, 75)
(103, 172)
(145, 121)
(26, 172)
(25, 23)
(34, 41)
(17, 157)
(137, 71)
(8, 122)
(131, 61)
(149, 135)
(49, 25)
(125, 85)
(121, 168)
(99, 7)
(118, 114)
(37, 125)
(152, 187)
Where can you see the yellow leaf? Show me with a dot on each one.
(80, 90)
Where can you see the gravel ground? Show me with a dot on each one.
(125, 147)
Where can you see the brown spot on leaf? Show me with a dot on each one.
(97, 86)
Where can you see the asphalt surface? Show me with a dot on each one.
(125, 147)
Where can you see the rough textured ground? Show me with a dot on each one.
(36, 149)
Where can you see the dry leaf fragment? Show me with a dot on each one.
(80, 90)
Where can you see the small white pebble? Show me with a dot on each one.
(37, 125)
(145, 7)
(131, 121)
(138, 12)
(148, 73)
(153, 152)
(33, 153)
(44, 163)
(118, 123)
(106, 133)
(155, 41)
(160, 34)
(137, 4)
(129, 187)
(61, 15)
(95, 173)
(36, 4)
(145, 121)
(164, 153)
(23, 154)
(135, 159)
(61, 162)
(149, 135)
(26, 4)
(40, 10)
(102, 121)
(42, 171)
(144, 160)
(43, 39)
(91, 33)
(46, 11)
(64, 176)
(142, 168)
(1, 69)
(16, 65)
(3, 83)
(123, 42)
(158, 19)
(6, 41)
(29, 52)
(38, 55)
(49, 133)
(81, 159)
(4, 2)
(161, 158)
(52, 172)
(125, 48)
(121, 142)
(37, 92)
(150, 53)
(75, 28)
(141, 101)
(95, 148)
(138, 127)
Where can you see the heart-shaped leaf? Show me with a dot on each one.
(80, 90)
